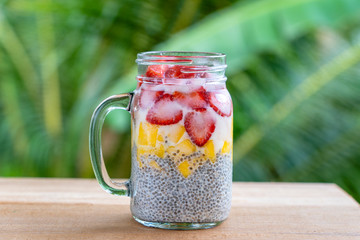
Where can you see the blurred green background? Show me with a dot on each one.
(293, 75)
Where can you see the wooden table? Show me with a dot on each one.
(80, 209)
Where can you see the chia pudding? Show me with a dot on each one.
(164, 195)
(181, 147)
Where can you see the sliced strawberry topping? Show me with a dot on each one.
(221, 102)
(196, 100)
(180, 97)
(199, 126)
(177, 71)
(139, 81)
(165, 111)
(156, 71)
(148, 97)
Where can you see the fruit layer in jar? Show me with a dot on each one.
(182, 117)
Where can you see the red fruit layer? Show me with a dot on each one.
(156, 71)
(164, 111)
(177, 72)
(148, 97)
(200, 126)
(220, 101)
(173, 72)
(197, 100)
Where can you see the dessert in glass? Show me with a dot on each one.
(181, 126)
(181, 140)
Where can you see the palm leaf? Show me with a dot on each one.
(245, 29)
(248, 28)
(295, 97)
(16, 51)
(310, 132)
(49, 75)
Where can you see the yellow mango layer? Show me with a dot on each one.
(138, 158)
(160, 138)
(210, 151)
(177, 133)
(226, 147)
(184, 168)
(154, 164)
(147, 134)
(160, 151)
(185, 147)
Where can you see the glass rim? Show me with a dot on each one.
(172, 57)
(211, 64)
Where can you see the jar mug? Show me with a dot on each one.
(181, 141)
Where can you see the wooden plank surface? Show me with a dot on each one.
(80, 209)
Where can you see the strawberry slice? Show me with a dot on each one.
(156, 71)
(139, 81)
(197, 100)
(165, 111)
(221, 102)
(200, 126)
(176, 72)
(148, 97)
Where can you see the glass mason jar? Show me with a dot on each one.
(182, 117)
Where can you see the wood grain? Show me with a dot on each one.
(80, 209)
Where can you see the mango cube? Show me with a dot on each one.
(177, 133)
(160, 138)
(210, 150)
(140, 151)
(185, 147)
(154, 164)
(147, 134)
(184, 168)
(226, 147)
(160, 151)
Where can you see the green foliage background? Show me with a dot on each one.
(293, 74)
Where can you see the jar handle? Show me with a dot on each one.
(121, 101)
